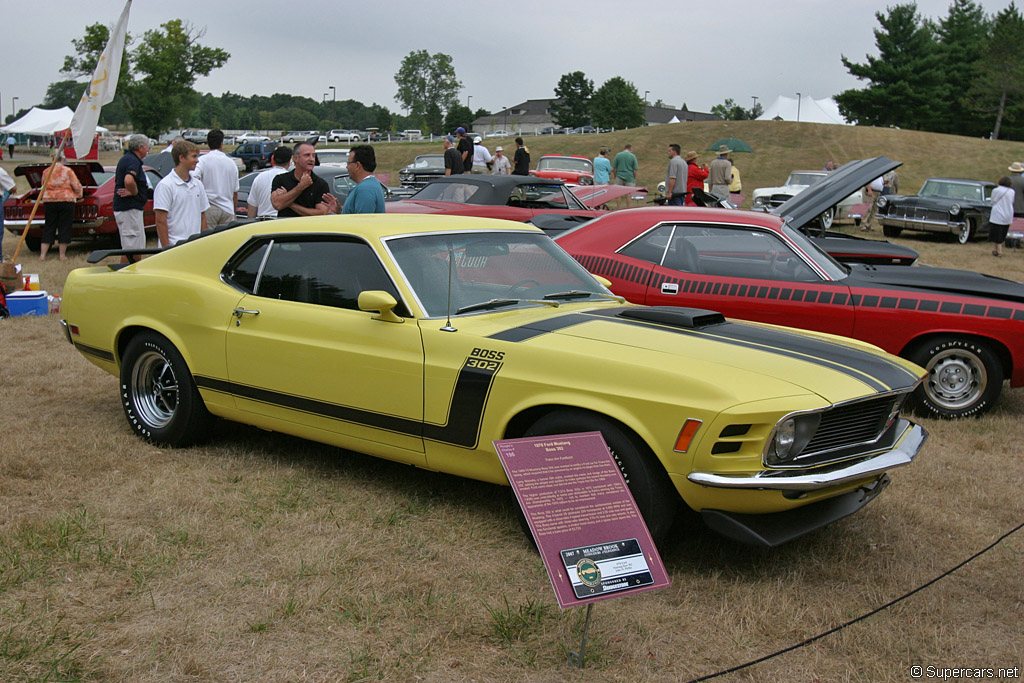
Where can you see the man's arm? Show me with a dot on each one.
(670, 187)
(130, 188)
(161, 227)
(282, 199)
(202, 222)
(250, 211)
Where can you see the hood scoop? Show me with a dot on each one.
(687, 318)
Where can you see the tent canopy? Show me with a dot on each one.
(43, 122)
(810, 110)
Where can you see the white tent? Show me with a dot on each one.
(809, 110)
(43, 122)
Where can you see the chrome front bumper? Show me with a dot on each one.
(812, 479)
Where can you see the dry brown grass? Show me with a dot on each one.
(262, 557)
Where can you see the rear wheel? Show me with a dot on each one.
(891, 231)
(251, 166)
(33, 243)
(654, 494)
(826, 219)
(159, 396)
(964, 377)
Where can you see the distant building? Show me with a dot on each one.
(531, 116)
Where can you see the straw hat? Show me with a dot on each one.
(1016, 167)
(690, 156)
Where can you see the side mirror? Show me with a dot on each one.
(603, 280)
(380, 301)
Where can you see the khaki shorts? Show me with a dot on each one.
(620, 181)
(217, 216)
(131, 228)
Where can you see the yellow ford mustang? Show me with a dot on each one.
(421, 339)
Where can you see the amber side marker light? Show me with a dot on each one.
(686, 434)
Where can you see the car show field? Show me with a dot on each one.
(257, 555)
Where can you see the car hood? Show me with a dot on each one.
(698, 343)
(810, 203)
(939, 280)
(83, 169)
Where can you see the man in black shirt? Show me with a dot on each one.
(302, 192)
(131, 192)
(465, 147)
(452, 160)
(521, 161)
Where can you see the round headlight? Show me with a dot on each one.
(785, 435)
(882, 202)
(954, 209)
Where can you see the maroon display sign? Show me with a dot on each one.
(588, 530)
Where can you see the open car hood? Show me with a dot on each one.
(83, 169)
(840, 183)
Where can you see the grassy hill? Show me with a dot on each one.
(779, 147)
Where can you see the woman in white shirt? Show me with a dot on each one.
(1002, 214)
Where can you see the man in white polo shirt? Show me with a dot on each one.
(179, 200)
(258, 202)
(219, 175)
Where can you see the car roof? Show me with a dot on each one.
(962, 180)
(564, 156)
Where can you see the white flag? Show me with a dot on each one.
(101, 88)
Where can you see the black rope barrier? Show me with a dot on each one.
(862, 617)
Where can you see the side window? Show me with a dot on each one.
(152, 177)
(242, 272)
(323, 272)
(735, 252)
(650, 247)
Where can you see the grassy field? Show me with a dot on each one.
(258, 557)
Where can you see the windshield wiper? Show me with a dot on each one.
(485, 305)
(581, 294)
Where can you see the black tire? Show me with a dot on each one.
(158, 394)
(251, 166)
(33, 243)
(891, 231)
(968, 233)
(654, 494)
(964, 377)
(826, 219)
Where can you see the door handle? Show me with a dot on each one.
(239, 312)
(669, 288)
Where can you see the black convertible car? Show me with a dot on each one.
(954, 206)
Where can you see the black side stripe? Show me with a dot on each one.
(462, 428)
(93, 351)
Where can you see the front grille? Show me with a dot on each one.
(779, 199)
(848, 430)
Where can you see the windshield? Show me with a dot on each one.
(799, 178)
(952, 190)
(428, 161)
(566, 164)
(832, 268)
(504, 269)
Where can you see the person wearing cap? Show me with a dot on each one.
(720, 173)
(500, 165)
(481, 156)
(452, 160)
(465, 148)
(695, 176)
(1017, 182)
(675, 177)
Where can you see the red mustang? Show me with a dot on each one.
(965, 328)
(94, 213)
(571, 169)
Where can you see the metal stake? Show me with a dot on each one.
(576, 658)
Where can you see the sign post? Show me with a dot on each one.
(588, 530)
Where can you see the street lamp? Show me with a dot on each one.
(14, 110)
(798, 96)
(646, 93)
(469, 98)
(504, 119)
(334, 93)
(754, 97)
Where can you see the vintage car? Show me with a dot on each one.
(768, 198)
(955, 206)
(295, 136)
(512, 197)
(94, 213)
(571, 169)
(423, 169)
(965, 328)
(422, 339)
(336, 176)
(250, 137)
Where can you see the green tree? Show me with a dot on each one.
(166, 64)
(616, 104)
(730, 111)
(63, 94)
(962, 36)
(427, 85)
(1000, 79)
(82, 64)
(459, 115)
(906, 79)
(571, 108)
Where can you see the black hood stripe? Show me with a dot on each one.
(526, 332)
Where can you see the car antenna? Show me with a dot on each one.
(451, 265)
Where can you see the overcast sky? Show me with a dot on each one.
(503, 53)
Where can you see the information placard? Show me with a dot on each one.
(589, 532)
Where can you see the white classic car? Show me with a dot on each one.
(767, 198)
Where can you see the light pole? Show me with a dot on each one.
(469, 98)
(334, 98)
(14, 109)
(754, 97)
(504, 119)
(798, 96)
(646, 93)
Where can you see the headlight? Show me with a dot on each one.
(790, 437)
(759, 201)
(954, 209)
(882, 201)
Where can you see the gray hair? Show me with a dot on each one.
(137, 142)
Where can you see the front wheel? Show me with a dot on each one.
(827, 219)
(891, 231)
(251, 166)
(964, 377)
(967, 233)
(654, 494)
(159, 396)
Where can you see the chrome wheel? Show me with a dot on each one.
(154, 390)
(965, 235)
(964, 376)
